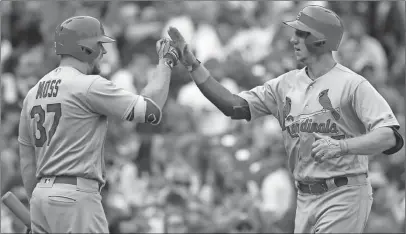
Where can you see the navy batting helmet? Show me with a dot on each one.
(79, 37)
(325, 28)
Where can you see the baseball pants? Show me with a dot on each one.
(67, 208)
(343, 209)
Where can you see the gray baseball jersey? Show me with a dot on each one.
(340, 104)
(64, 117)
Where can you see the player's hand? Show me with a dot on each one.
(166, 52)
(325, 147)
(186, 56)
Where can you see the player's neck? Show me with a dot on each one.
(320, 65)
(76, 64)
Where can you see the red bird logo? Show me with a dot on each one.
(286, 109)
(325, 102)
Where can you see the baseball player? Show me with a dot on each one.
(332, 120)
(63, 126)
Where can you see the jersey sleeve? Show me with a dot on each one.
(262, 99)
(371, 108)
(24, 133)
(105, 98)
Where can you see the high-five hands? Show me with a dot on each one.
(186, 56)
(167, 53)
(325, 147)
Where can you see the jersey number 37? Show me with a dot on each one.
(40, 112)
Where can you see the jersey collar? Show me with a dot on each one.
(303, 72)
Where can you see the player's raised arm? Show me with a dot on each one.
(106, 98)
(247, 105)
(228, 103)
(158, 86)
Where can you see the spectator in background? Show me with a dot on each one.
(210, 121)
(22, 77)
(206, 41)
(199, 30)
(361, 52)
(180, 17)
(134, 75)
(6, 50)
(123, 78)
(397, 71)
(383, 219)
(254, 42)
(136, 34)
(277, 195)
(381, 17)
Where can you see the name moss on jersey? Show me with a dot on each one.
(48, 88)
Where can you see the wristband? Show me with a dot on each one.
(169, 63)
(171, 58)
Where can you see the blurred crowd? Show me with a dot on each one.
(199, 171)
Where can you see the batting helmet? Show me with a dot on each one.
(325, 28)
(79, 37)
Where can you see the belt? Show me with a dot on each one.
(319, 187)
(73, 180)
(66, 180)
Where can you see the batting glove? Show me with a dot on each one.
(167, 52)
(325, 147)
(187, 58)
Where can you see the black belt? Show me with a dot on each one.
(68, 180)
(320, 186)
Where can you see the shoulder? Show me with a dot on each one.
(347, 75)
(32, 92)
(99, 79)
(74, 78)
(287, 78)
(97, 82)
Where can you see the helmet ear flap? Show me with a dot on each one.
(90, 48)
(86, 50)
(316, 45)
(320, 43)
